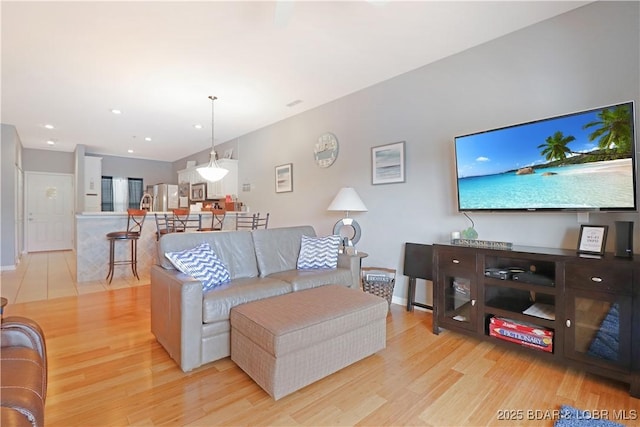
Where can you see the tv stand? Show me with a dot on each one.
(547, 302)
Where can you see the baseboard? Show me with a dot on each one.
(403, 302)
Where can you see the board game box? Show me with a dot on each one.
(521, 333)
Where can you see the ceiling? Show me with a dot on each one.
(68, 64)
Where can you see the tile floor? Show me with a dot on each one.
(48, 275)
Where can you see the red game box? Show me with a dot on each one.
(521, 333)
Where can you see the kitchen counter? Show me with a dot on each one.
(92, 246)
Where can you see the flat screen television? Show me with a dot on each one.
(582, 161)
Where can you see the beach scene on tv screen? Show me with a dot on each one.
(577, 161)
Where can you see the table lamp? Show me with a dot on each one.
(347, 200)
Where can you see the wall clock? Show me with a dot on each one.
(326, 150)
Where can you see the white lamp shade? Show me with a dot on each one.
(347, 200)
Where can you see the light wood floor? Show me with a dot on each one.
(47, 275)
(106, 369)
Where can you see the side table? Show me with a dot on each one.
(359, 255)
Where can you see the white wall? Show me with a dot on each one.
(583, 59)
(10, 212)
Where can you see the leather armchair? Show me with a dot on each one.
(23, 377)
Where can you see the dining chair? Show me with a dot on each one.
(245, 221)
(164, 224)
(260, 222)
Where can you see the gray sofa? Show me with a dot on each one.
(194, 326)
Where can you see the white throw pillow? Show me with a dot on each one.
(319, 252)
(202, 264)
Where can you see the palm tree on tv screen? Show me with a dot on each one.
(556, 147)
(614, 129)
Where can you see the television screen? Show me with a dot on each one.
(582, 161)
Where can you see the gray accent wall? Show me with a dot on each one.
(48, 161)
(151, 171)
(585, 58)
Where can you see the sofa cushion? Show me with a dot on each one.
(202, 264)
(234, 248)
(319, 252)
(306, 322)
(307, 279)
(217, 303)
(277, 249)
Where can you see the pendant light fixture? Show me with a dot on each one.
(212, 172)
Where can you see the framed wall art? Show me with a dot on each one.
(284, 178)
(387, 163)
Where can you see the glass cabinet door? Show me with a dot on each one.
(458, 301)
(598, 328)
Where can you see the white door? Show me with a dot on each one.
(49, 209)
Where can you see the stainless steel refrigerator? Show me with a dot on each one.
(165, 197)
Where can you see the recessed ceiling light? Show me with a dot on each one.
(49, 126)
(147, 138)
(116, 111)
(129, 151)
(198, 126)
(51, 142)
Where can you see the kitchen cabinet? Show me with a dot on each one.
(218, 189)
(92, 184)
(190, 176)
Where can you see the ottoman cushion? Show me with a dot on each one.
(317, 331)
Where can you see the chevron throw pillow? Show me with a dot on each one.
(319, 252)
(202, 264)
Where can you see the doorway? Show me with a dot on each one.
(49, 208)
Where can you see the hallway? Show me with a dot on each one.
(49, 275)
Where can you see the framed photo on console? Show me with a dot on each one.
(593, 239)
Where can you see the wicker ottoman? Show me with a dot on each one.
(289, 341)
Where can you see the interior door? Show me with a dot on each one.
(49, 206)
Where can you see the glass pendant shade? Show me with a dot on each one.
(212, 172)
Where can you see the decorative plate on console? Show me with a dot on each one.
(325, 151)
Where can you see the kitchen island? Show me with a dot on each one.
(92, 246)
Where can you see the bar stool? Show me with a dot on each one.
(217, 219)
(135, 219)
(184, 221)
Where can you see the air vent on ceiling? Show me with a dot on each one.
(296, 102)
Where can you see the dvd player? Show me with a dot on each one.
(505, 273)
(533, 279)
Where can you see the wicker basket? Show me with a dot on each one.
(379, 281)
